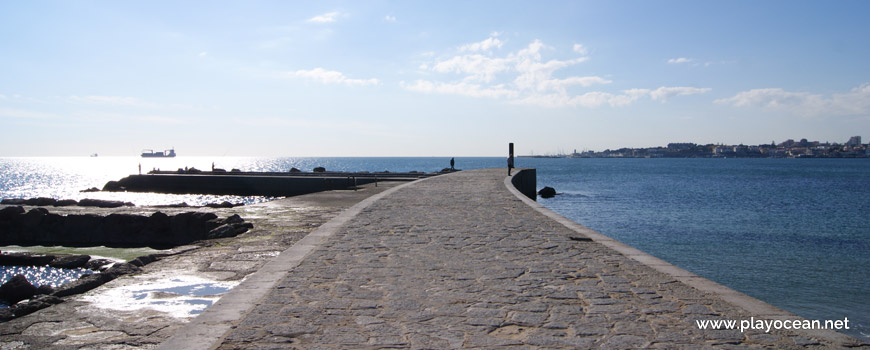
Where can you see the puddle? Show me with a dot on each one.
(180, 296)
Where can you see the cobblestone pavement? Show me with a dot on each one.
(458, 261)
(78, 324)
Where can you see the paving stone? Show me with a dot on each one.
(457, 261)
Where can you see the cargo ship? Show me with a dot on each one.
(151, 154)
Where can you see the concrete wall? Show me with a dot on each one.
(526, 181)
(236, 185)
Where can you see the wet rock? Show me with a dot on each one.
(40, 202)
(36, 304)
(25, 259)
(38, 226)
(228, 230)
(100, 203)
(70, 261)
(9, 213)
(6, 314)
(92, 189)
(319, 169)
(12, 201)
(234, 219)
(120, 269)
(223, 204)
(81, 285)
(144, 260)
(98, 264)
(44, 290)
(113, 186)
(66, 203)
(17, 289)
(547, 192)
(294, 170)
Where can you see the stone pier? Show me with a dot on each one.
(466, 261)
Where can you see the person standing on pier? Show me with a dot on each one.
(452, 163)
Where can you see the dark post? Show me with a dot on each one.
(510, 157)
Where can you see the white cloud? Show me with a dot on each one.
(331, 77)
(324, 18)
(389, 18)
(3, 97)
(525, 77)
(476, 66)
(485, 45)
(854, 102)
(461, 88)
(664, 93)
(203, 54)
(680, 60)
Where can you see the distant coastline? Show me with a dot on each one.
(787, 149)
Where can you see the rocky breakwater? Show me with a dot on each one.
(25, 298)
(38, 226)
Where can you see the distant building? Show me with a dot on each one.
(681, 146)
(854, 141)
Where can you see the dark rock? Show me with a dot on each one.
(319, 169)
(9, 213)
(234, 170)
(12, 201)
(93, 189)
(81, 285)
(144, 260)
(35, 304)
(228, 230)
(120, 269)
(70, 261)
(97, 264)
(25, 259)
(6, 314)
(294, 170)
(44, 290)
(38, 226)
(40, 202)
(218, 170)
(547, 192)
(100, 203)
(223, 204)
(17, 289)
(65, 203)
(234, 219)
(113, 186)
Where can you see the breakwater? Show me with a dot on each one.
(274, 184)
(462, 261)
(38, 226)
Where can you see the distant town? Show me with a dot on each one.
(787, 149)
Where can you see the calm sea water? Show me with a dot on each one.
(792, 232)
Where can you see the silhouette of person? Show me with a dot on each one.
(452, 163)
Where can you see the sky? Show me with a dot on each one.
(426, 78)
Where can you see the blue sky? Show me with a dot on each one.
(414, 78)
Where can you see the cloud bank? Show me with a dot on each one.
(330, 77)
(526, 77)
(854, 102)
(324, 18)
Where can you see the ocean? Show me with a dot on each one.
(792, 232)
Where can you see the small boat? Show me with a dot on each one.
(151, 154)
(95, 155)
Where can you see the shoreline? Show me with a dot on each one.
(277, 225)
(140, 208)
